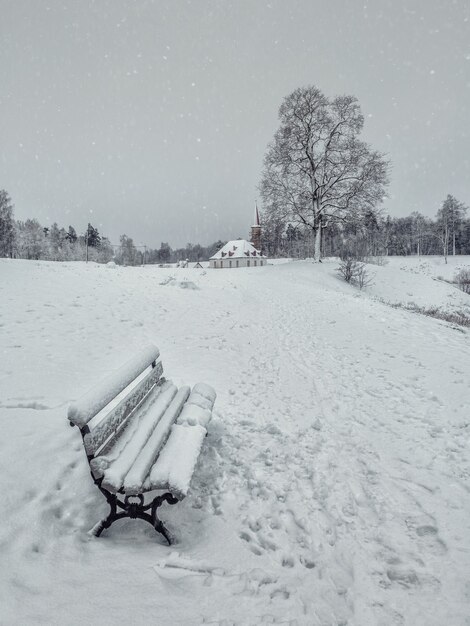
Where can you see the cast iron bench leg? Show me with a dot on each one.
(112, 516)
(134, 510)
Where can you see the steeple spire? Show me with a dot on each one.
(256, 218)
(256, 230)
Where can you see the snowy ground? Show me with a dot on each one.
(421, 282)
(333, 487)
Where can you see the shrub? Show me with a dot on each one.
(354, 272)
(347, 269)
(463, 280)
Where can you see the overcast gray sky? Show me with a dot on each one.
(151, 118)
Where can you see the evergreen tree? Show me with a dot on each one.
(93, 236)
(164, 253)
(71, 234)
(7, 225)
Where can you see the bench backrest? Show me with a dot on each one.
(131, 378)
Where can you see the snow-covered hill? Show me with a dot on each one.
(333, 487)
(422, 282)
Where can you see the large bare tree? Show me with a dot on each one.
(317, 170)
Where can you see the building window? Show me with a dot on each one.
(256, 262)
(236, 263)
(248, 263)
(230, 263)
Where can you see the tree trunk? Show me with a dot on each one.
(317, 252)
(453, 245)
(317, 228)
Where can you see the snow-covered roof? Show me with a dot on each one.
(238, 249)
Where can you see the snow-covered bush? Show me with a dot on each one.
(463, 280)
(362, 277)
(354, 272)
(347, 269)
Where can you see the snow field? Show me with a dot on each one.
(332, 487)
(420, 281)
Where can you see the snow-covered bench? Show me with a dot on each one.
(141, 434)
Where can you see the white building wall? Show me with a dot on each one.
(230, 263)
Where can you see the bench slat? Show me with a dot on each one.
(115, 474)
(175, 465)
(116, 444)
(94, 440)
(136, 476)
(82, 411)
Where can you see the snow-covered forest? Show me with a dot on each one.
(370, 235)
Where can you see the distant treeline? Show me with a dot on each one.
(371, 235)
(31, 240)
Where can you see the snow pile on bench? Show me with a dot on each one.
(141, 468)
(82, 411)
(175, 465)
(198, 408)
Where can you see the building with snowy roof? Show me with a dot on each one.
(239, 253)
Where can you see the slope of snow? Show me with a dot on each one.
(421, 281)
(434, 266)
(417, 285)
(333, 485)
